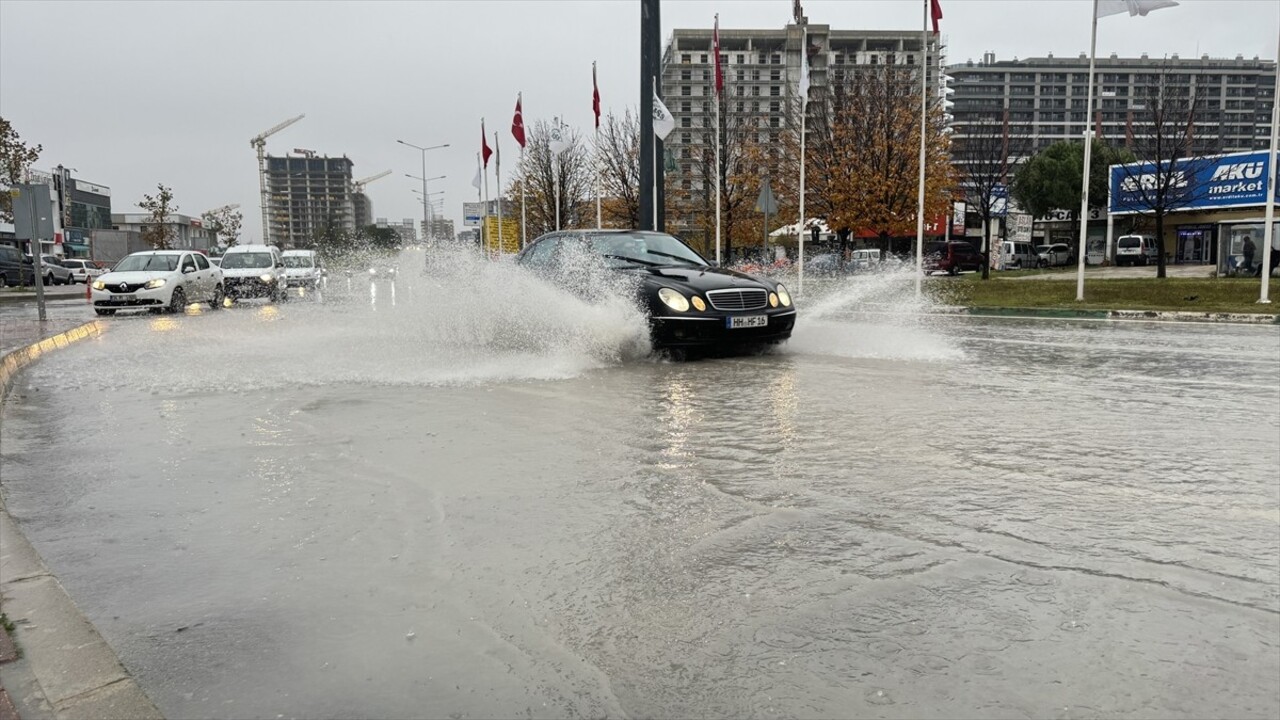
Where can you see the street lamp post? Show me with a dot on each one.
(423, 150)
(426, 216)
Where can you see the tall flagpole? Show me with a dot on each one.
(1268, 233)
(485, 217)
(804, 101)
(719, 90)
(555, 166)
(599, 223)
(655, 167)
(1088, 156)
(497, 172)
(924, 112)
(524, 176)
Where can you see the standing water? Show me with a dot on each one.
(488, 499)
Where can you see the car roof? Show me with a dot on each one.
(298, 252)
(250, 248)
(160, 252)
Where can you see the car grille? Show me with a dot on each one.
(748, 299)
(118, 287)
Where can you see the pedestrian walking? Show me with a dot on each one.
(1248, 251)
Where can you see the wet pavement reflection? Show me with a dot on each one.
(501, 505)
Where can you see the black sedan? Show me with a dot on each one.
(691, 304)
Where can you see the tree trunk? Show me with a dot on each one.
(1160, 270)
(986, 246)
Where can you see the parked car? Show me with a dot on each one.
(54, 272)
(1016, 255)
(158, 280)
(302, 268)
(15, 267)
(691, 304)
(823, 265)
(1136, 250)
(216, 261)
(82, 270)
(951, 257)
(865, 259)
(254, 271)
(1054, 255)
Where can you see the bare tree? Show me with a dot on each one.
(225, 223)
(156, 229)
(1171, 145)
(542, 171)
(987, 151)
(618, 156)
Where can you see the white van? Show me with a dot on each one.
(251, 271)
(303, 268)
(867, 259)
(1136, 250)
(1017, 255)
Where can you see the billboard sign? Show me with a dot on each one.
(472, 212)
(1224, 181)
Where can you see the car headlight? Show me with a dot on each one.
(698, 304)
(773, 299)
(673, 300)
(373, 271)
(267, 277)
(153, 284)
(99, 285)
(784, 297)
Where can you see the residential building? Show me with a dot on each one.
(1046, 98)
(361, 209)
(761, 70)
(439, 229)
(308, 196)
(189, 233)
(407, 229)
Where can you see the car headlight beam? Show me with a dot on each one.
(99, 285)
(673, 299)
(267, 277)
(153, 284)
(698, 304)
(784, 297)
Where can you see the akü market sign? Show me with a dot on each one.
(1225, 181)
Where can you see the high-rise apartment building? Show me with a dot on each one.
(309, 195)
(407, 229)
(439, 229)
(1045, 98)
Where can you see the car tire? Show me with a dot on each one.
(216, 302)
(4, 281)
(104, 312)
(953, 271)
(177, 301)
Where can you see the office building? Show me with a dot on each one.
(1045, 98)
(309, 196)
(439, 229)
(407, 229)
(187, 233)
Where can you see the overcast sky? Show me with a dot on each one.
(132, 94)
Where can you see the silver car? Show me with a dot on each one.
(82, 270)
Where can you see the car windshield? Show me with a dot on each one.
(297, 261)
(246, 260)
(644, 248)
(147, 261)
(935, 248)
(1129, 242)
(1042, 248)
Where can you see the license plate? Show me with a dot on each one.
(746, 321)
(119, 298)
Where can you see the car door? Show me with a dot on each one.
(204, 276)
(188, 280)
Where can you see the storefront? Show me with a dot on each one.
(1220, 202)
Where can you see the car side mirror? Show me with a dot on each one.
(188, 270)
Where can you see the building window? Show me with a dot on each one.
(775, 75)
(686, 90)
(686, 75)
(774, 90)
(702, 58)
(755, 91)
(687, 121)
(742, 59)
(775, 59)
(911, 60)
(773, 122)
(686, 59)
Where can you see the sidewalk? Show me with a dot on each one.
(61, 667)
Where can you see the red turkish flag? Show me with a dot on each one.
(715, 47)
(935, 12)
(485, 152)
(595, 95)
(517, 123)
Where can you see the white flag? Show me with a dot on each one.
(804, 70)
(663, 123)
(475, 182)
(1133, 7)
(558, 142)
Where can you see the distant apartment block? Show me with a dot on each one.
(1045, 98)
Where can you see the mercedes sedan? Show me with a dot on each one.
(691, 304)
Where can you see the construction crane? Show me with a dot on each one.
(228, 208)
(358, 185)
(260, 144)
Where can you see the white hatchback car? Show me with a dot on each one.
(82, 270)
(157, 280)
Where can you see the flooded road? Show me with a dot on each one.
(505, 507)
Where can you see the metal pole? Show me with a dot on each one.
(426, 220)
(1088, 156)
(718, 100)
(649, 27)
(656, 227)
(924, 110)
(1268, 233)
(804, 48)
(37, 262)
(497, 172)
(555, 166)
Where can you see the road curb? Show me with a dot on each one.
(1154, 315)
(67, 670)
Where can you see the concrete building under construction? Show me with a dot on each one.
(308, 195)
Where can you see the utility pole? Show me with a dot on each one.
(651, 193)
